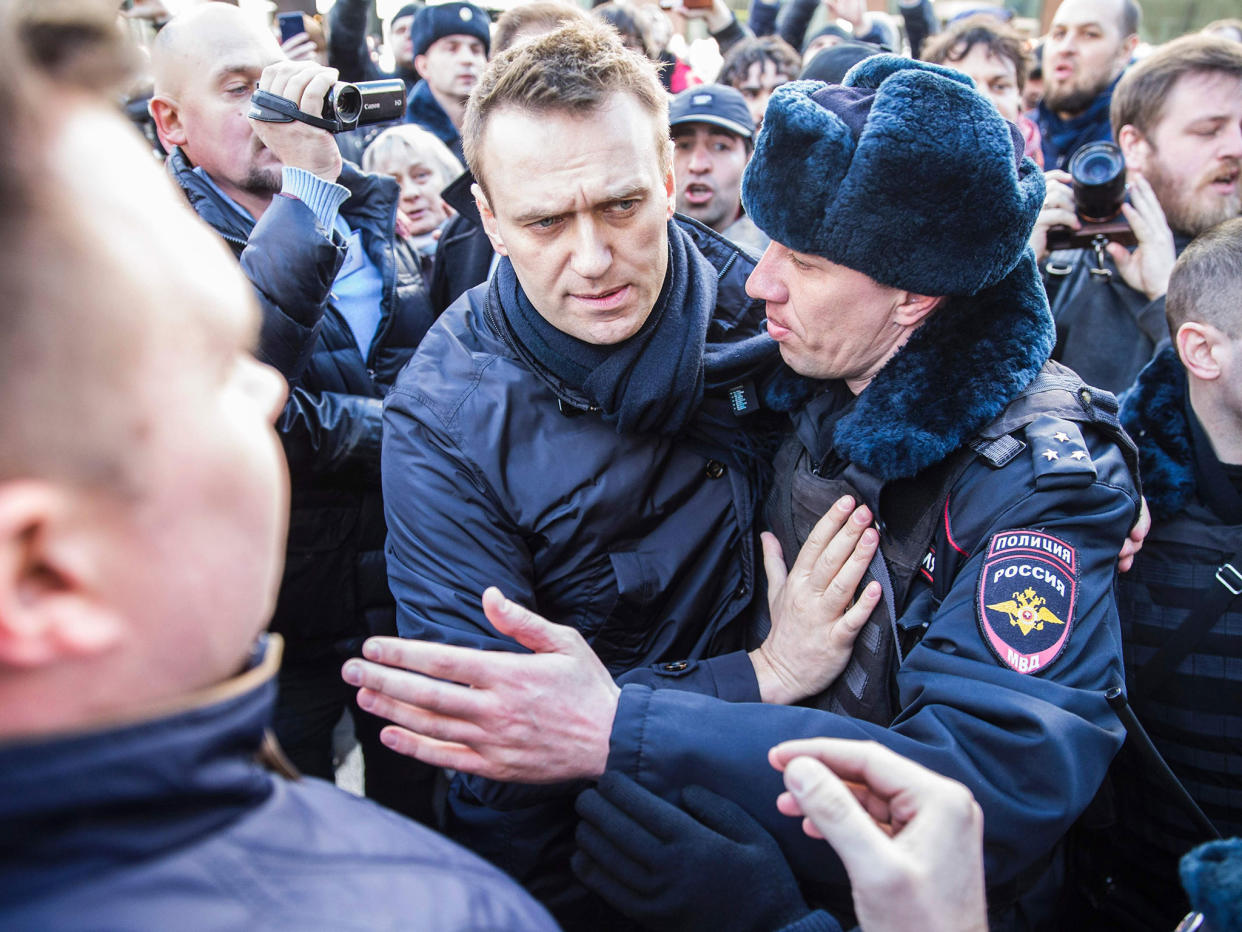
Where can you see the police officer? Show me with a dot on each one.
(899, 277)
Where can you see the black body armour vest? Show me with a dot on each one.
(908, 512)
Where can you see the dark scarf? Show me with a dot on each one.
(655, 381)
(1062, 138)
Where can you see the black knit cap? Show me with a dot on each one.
(450, 19)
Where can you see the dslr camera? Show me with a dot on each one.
(345, 106)
(1099, 185)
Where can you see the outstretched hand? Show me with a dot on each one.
(539, 717)
(1134, 541)
(911, 840)
(814, 616)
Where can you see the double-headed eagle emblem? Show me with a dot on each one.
(1027, 611)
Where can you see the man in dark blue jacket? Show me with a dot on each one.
(343, 310)
(586, 426)
(1001, 484)
(144, 498)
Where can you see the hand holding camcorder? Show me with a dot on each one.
(345, 106)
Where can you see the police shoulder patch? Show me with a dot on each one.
(1028, 588)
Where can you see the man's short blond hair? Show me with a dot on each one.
(574, 70)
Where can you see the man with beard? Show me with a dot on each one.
(450, 43)
(341, 315)
(1088, 46)
(1178, 119)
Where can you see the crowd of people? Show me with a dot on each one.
(794, 489)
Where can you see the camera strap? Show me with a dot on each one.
(272, 108)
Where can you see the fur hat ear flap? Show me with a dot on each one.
(799, 163)
(871, 72)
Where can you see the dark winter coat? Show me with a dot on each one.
(463, 253)
(422, 108)
(1195, 717)
(494, 475)
(1106, 331)
(171, 823)
(335, 581)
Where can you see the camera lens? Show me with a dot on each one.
(1099, 173)
(344, 103)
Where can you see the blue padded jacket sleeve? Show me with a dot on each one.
(1032, 747)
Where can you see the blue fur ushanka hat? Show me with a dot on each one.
(904, 172)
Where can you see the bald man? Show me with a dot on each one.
(142, 516)
(342, 312)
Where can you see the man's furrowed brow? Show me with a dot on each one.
(628, 192)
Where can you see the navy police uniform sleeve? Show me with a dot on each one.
(1031, 740)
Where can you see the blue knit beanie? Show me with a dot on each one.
(449, 19)
(904, 172)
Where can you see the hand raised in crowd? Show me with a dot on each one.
(1058, 211)
(1148, 267)
(297, 144)
(910, 839)
(300, 48)
(716, 17)
(852, 11)
(705, 865)
(532, 718)
(813, 621)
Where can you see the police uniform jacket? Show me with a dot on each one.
(335, 582)
(1007, 637)
(170, 821)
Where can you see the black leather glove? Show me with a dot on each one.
(708, 867)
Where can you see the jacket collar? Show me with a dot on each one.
(76, 803)
(957, 372)
(426, 111)
(1154, 413)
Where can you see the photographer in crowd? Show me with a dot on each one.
(143, 503)
(1087, 47)
(1177, 116)
(341, 315)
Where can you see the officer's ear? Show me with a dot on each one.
(490, 226)
(1204, 350)
(49, 609)
(912, 309)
